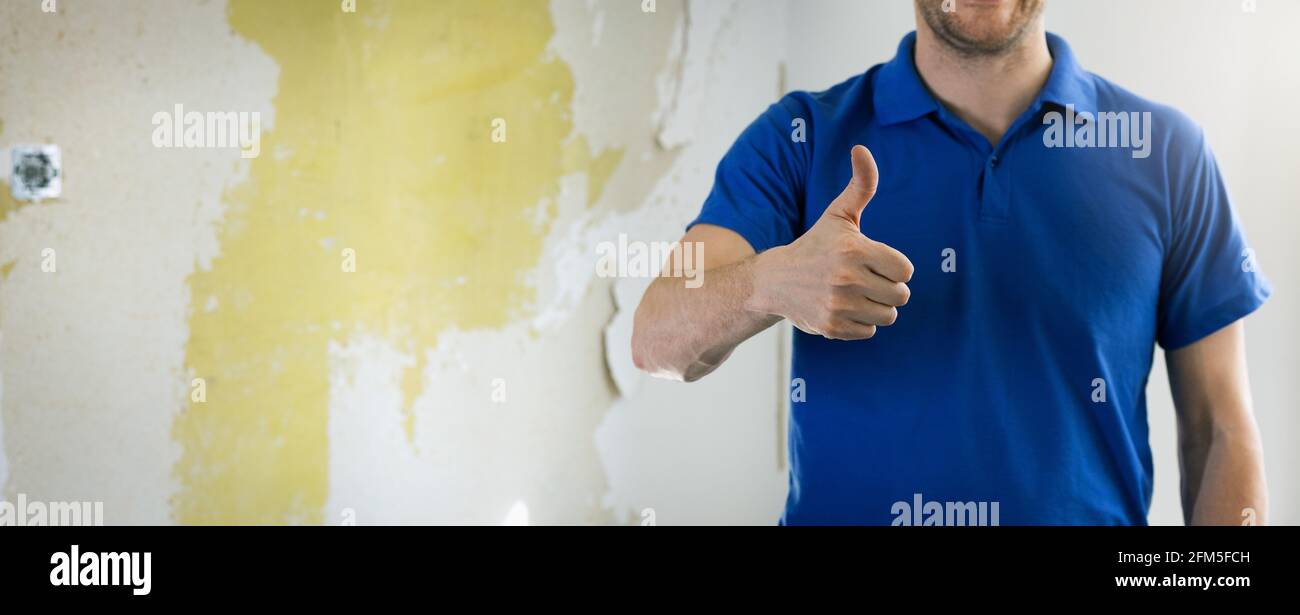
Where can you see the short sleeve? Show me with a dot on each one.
(1211, 278)
(758, 189)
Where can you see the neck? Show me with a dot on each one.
(988, 92)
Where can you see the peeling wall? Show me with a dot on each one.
(458, 374)
(93, 359)
(439, 217)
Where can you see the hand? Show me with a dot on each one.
(833, 281)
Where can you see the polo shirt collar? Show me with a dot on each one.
(1068, 83)
(900, 96)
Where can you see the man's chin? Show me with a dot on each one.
(985, 29)
(985, 39)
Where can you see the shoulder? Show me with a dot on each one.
(1175, 135)
(823, 106)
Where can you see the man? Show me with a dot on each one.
(976, 311)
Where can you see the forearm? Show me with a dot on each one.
(1223, 475)
(1219, 448)
(831, 281)
(685, 333)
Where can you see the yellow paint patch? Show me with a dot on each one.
(7, 203)
(382, 145)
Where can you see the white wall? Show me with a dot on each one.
(93, 358)
(1236, 74)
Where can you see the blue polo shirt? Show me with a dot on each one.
(1047, 268)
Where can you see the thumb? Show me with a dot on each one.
(850, 203)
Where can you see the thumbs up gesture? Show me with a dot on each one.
(834, 281)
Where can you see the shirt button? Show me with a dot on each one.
(993, 160)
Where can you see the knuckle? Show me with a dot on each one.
(842, 278)
(833, 328)
(835, 305)
(848, 247)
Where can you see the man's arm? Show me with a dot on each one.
(685, 333)
(1220, 454)
(831, 281)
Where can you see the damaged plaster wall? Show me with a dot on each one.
(92, 353)
(460, 373)
(511, 425)
(710, 452)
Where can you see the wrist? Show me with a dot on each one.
(763, 296)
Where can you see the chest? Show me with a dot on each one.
(1068, 239)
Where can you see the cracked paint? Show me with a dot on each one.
(437, 214)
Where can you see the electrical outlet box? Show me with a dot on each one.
(37, 172)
